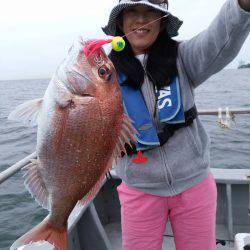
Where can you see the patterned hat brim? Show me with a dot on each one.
(172, 25)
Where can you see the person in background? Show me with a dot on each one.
(158, 76)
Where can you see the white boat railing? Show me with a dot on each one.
(227, 110)
(6, 174)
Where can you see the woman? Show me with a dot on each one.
(158, 76)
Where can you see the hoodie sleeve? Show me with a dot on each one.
(215, 47)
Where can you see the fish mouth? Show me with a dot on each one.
(80, 92)
(87, 95)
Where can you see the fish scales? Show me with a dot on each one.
(71, 173)
(81, 129)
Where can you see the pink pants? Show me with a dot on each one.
(192, 215)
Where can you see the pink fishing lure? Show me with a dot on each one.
(94, 45)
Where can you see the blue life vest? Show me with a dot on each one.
(169, 107)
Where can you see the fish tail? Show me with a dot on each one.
(44, 232)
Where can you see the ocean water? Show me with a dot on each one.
(19, 212)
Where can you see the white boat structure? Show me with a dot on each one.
(97, 225)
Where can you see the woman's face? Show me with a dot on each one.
(134, 18)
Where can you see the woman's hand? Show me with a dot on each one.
(245, 4)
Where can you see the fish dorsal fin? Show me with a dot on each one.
(27, 112)
(35, 184)
(126, 135)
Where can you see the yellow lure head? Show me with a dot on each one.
(118, 43)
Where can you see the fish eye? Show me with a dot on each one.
(104, 73)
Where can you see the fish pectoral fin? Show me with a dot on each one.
(126, 135)
(27, 112)
(35, 185)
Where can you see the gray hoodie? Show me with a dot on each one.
(185, 159)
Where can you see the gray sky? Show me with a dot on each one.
(35, 35)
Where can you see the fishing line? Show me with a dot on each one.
(118, 43)
(145, 25)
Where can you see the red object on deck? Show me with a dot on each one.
(140, 159)
(94, 45)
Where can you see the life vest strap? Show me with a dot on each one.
(168, 130)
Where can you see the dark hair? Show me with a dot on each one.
(161, 64)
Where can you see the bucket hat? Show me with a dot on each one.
(172, 24)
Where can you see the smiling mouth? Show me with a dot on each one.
(141, 31)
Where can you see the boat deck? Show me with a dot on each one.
(97, 225)
(113, 231)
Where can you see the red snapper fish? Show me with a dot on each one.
(82, 128)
